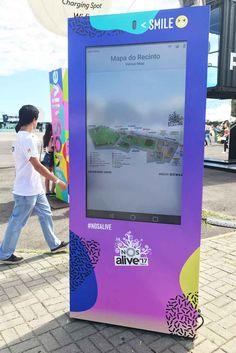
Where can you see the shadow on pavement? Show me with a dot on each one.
(213, 177)
(56, 203)
(5, 267)
(5, 211)
(208, 230)
(61, 216)
(66, 335)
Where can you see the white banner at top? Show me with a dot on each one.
(53, 14)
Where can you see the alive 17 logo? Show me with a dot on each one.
(131, 252)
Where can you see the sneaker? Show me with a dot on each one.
(13, 259)
(60, 247)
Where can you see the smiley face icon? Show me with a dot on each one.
(181, 21)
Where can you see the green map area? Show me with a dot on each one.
(158, 149)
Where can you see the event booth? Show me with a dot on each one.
(59, 109)
(137, 86)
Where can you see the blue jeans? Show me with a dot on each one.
(23, 208)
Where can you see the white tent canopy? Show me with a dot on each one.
(53, 14)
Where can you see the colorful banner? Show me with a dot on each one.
(137, 86)
(59, 108)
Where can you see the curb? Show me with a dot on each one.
(8, 167)
(221, 222)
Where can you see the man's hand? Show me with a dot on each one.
(61, 185)
(46, 173)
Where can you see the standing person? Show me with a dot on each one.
(48, 160)
(28, 191)
(226, 130)
(207, 134)
(212, 133)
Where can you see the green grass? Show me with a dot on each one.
(126, 142)
(213, 214)
(144, 142)
(104, 136)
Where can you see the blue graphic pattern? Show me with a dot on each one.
(84, 256)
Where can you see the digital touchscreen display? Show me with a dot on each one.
(135, 100)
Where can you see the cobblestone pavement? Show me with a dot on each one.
(34, 310)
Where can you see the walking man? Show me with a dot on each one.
(28, 191)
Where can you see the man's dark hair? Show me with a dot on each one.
(27, 114)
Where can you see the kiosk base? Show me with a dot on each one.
(220, 165)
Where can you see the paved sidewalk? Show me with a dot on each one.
(34, 310)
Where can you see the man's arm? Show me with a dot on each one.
(46, 173)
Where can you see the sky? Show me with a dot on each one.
(28, 51)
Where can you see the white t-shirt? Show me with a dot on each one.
(28, 180)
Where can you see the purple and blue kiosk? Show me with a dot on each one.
(137, 95)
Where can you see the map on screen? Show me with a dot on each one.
(135, 101)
